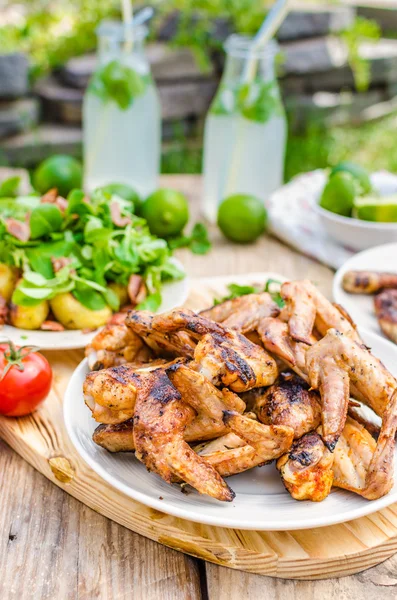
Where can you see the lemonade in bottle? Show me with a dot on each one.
(121, 113)
(245, 130)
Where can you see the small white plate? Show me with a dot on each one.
(261, 501)
(361, 306)
(174, 294)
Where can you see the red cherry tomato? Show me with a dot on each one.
(25, 379)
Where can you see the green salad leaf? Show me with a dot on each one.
(9, 187)
(198, 241)
(272, 286)
(45, 218)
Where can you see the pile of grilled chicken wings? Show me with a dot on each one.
(200, 397)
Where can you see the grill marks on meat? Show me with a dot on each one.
(224, 356)
(115, 438)
(289, 402)
(162, 343)
(208, 402)
(260, 444)
(307, 470)
(243, 314)
(368, 282)
(159, 422)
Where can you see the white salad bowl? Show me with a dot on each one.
(354, 233)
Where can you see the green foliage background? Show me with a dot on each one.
(52, 31)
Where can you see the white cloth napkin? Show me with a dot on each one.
(293, 219)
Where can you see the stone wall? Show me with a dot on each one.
(316, 80)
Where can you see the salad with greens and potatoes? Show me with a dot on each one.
(70, 263)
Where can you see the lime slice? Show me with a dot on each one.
(379, 209)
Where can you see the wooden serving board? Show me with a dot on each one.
(319, 553)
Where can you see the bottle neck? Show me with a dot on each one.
(237, 68)
(128, 47)
(245, 63)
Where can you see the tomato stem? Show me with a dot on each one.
(15, 356)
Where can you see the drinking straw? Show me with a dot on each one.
(127, 12)
(144, 15)
(270, 25)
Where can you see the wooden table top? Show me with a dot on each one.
(52, 547)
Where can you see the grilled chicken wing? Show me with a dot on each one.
(115, 345)
(362, 465)
(368, 282)
(306, 308)
(359, 463)
(115, 387)
(333, 364)
(224, 356)
(261, 444)
(275, 337)
(300, 309)
(288, 402)
(243, 313)
(115, 438)
(159, 423)
(111, 396)
(208, 402)
(370, 377)
(162, 343)
(386, 312)
(307, 470)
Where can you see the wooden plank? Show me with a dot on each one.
(379, 582)
(53, 547)
(178, 100)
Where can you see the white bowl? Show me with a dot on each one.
(354, 233)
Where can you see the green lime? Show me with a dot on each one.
(339, 194)
(358, 172)
(374, 208)
(242, 218)
(59, 171)
(124, 191)
(166, 212)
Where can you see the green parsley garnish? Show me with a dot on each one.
(272, 286)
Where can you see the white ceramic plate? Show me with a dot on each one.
(174, 294)
(361, 306)
(261, 501)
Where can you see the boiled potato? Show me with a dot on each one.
(121, 292)
(29, 317)
(8, 278)
(73, 315)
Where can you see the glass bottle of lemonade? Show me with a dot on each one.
(245, 130)
(121, 113)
